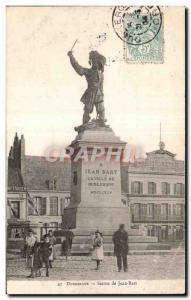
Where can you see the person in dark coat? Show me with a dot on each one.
(36, 263)
(65, 247)
(120, 240)
(52, 241)
(45, 252)
(67, 242)
(70, 236)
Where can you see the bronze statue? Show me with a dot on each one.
(93, 95)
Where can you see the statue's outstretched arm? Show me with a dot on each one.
(79, 69)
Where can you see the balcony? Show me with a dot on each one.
(157, 219)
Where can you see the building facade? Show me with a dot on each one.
(38, 189)
(155, 190)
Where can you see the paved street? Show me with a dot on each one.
(83, 268)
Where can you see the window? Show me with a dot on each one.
(152, 188)
(165, 188)
(143, 212)
(164, 232)
(151, 230)
(169, 209)
(16, 233)
(157, 211)
(62, 206)
(137, 187)
(132, 212)
(150, 210)
(15, 209)
(53, 206)
(53, 225)
(179, 233)
(174, 209)
(137, 210)
(41, 205)
(179, 189)
(51, 184)
(178, 210)
(164, 210)
(64, 202)
(37, 206)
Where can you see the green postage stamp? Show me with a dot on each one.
(141, 28)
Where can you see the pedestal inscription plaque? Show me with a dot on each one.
(96, 181)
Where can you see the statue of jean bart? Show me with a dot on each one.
(93, 96)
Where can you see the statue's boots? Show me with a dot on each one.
(86, 117)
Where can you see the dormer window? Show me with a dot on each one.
(51, 184)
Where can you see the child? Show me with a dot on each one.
(29, 244)
(97, 254)
(36, 261)
(46, 250)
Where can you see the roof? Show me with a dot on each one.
(162, 152)
(36, 170)
(156, 163)
(14, 178)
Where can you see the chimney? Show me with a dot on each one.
(16, 150)
(22, 147)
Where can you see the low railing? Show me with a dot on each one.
(157, 218)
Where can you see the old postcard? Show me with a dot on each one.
(95, 149)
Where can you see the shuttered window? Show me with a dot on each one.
(151, 188)
(150, 210)
(179, 189)
(136, 187)
(38, 206)
(165, 188)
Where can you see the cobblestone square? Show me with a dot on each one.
(140, 267)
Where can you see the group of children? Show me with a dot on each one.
(40, 253)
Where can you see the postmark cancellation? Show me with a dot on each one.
(141, 30)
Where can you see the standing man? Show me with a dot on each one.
(120, 240)
(70, 239)
(67, 242)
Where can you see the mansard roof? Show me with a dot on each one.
(161, 152)
(37, 170)
(158, 161)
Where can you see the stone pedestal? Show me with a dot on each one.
(96, 181)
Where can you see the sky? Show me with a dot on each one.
(43, 91)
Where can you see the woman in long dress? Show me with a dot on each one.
(97, 254)
(52, 241)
